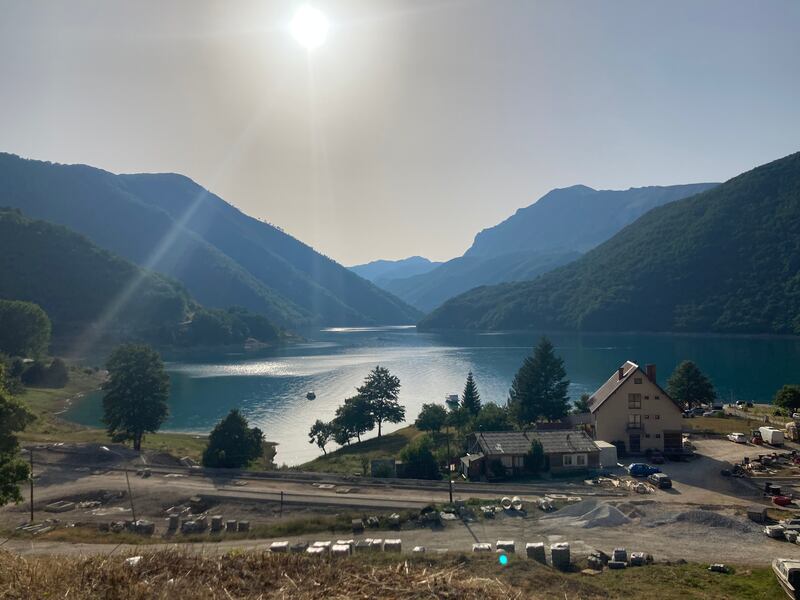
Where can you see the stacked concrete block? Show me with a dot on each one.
(393, 545)
(216, 523)
(325, 545)
(559, 556)
(536, 551)
(506, 546)
(279, 547)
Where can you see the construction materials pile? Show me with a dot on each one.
(587, 514)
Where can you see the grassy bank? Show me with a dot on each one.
(352, 459)
(48, 403)
(723, 425)
(176, 574)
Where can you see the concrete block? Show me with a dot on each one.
(418, 550)
(298, 547)
(559, 556)
(316, 551)
(230, 525)
(393, 545)
(362, 546)
(341, 549)
(377, 545)
(279, 547)
(243, 526)
(216, 523)
(482, 547)
(536, 551)
(507, 546)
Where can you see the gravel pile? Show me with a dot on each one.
(588, 514)
(707, 518)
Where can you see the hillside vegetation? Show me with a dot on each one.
(75, 282)
(82, 288)
(170, 224)
(553, 231)
(725, 260)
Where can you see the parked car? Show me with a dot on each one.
(698, 411)
(642, 470)
(660, 480)
(738, 438)
(687, 414)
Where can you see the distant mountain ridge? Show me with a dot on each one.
(170, 224)
(382, 271)
(549, 233)
(724, 260)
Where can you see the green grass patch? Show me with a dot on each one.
(723, 425)
(352, 459)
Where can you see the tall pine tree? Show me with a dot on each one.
(539, 389)
(471, 399)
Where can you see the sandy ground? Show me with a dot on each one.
(656, 520)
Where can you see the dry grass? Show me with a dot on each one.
(238, 575)
(176, 574)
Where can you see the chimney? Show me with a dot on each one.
(621, 373)
(651, 372)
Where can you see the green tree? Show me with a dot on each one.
(788, 397)
(355, 416)
(24, 329)
(431, 418)
(381, 390)
(582, 405)
(539, 389)
(232, 443)
(419, 460)
(534, 459)
(459, 418)
(320, 434)
(342, 432)
(13, 417)
(136, 393)
(492, 418)
(689, 385)
(471, 399)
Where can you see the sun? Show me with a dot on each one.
(309, 27)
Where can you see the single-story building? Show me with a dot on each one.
(565, 450)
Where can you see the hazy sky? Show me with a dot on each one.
(419, 122)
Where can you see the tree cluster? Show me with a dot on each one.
(690, 386)
(376, 402)
(539, 389)
(232, 444)
(14, 417)
(24, 329)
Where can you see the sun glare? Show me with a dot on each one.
(309, 27)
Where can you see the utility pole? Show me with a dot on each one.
(130, 495)
(31, 480)
(449, 469)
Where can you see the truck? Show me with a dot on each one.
(771, 436)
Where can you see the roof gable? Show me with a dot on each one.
(605, 391)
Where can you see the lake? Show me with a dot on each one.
(270, 386)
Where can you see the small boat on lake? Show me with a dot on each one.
(311, 396)
(787, 571)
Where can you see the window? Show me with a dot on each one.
(573, 460)
(637, 380)
(634, 401)
(647, 435)
(658, 397)
(647, 416)
(647, 397)
(658, 436)
(634, 421)
(658, 417)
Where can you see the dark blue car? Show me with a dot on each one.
(642, 470)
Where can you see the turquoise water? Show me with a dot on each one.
(270, 387)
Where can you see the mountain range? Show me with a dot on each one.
(380, 272)
(553, 231)
(169, 224)
(724, 260)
